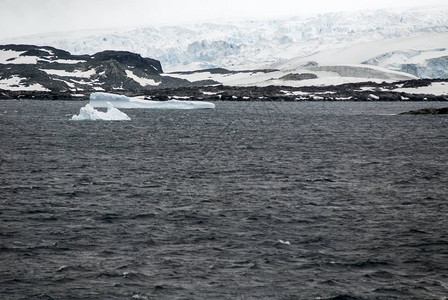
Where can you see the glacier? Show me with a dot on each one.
(88, 113)
(101, 99)
(249, 44)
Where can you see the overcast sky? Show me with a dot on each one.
(26, 17)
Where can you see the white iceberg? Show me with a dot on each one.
(88, 113)
(101, 99)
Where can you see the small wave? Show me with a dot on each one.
(65, 269)
(427, 244)
(138, 296)
(44, 218)
(109, 217)
(321, 179)
(284, 242)
(417, 231)
(133, 276)
(368, 264)
(35, 211)
(143, 216)
(389, 292)
(344, 297)
(380, 274)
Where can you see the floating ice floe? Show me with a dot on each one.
(88, 113)
(101, 99)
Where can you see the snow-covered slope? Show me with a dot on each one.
(298, 77)
(424, 55)
(252, 44)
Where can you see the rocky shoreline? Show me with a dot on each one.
(366, 91)
(428, 111)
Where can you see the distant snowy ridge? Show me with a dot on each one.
(255, 44)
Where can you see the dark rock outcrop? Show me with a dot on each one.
(428, 111)
(223, 71)
(298, 76)
(150, 66)
(58, 71)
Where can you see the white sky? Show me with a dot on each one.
(26, 17)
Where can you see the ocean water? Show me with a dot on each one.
(331, 200)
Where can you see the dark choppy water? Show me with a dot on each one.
(193, 204)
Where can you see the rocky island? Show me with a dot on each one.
(428, 111)
(48, 73)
